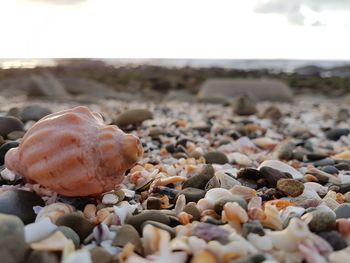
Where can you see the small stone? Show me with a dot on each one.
(209, 232)
(170, 148)
(290, 187)
(9, 124)
(100, 255)
(34, 113)
(249, 173)
(343, 115)
(192, 194)
(2, 141)
(219, 204)
(272, 112)
(284, 151)
(195, 154)
(253, 226)
(330, 169)
(322, 220)
(273, 175)
(110, 199)
(133, 117)
(342, 166)
(128, 234)
(200, 180)
(70, 234)
(153, 215)
(335, 239)
(216, 157)
(342, 211)
(78, 223)
(15, 135)
(323, 162)
(155, 132)
(14, 112)
(191, 209)
(244, 106)
(153, 203)
(316, 156)
(20, 203)
(13, 247)
(5, 148)
(38, 256)
(169, 229)
(336, 133)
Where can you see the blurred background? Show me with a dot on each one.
(87, 50)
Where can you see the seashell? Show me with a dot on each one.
(90, 211)
(340, 256)
(185, 218)
(55, 242)
(342, 156)
(74, 153)
(225, 181)
(246, 192)
(54, 211)
(318, 188)
(283, 167)
(38, 230)
(215, 194)
(272, 218)
(122, 211)
(265, 143)
(256, 213)
(235, 215)
(291, 211)
(263, 243)
(155, 240)
(239, 158)
(180, 204)
(110, 199)
(255, 202)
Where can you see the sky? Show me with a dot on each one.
(212, 29)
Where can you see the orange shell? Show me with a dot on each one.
(74, 153)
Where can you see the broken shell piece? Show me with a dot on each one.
(265, 143)
(235, 215)
(56, 242)
(215, 194)
(342, 156)
(246, 192)
(263, 243)
(38, 230)
(90, 211)
(239, 158)
(155, 240)
(272, 218)
(54, 211)
(110, 199)
(225, 181)
(310, 253)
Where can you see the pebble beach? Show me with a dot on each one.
(245, 183)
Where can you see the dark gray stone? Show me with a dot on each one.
(9, 124)
(200, 180)
(336, 133)
(78, 223)
(192, 194)
(153, 215)
(273, 175)
(322, 220)
(133, 117)
(128, 234)
(253, 226)
(342, 211)
(335, 239)
(5, 148)
(216, 157)
(244, 106)
(34, 113)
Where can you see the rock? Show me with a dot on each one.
(330, 169)
(209, 232)
(38, 256)
(219, 204)
(272, 175)
(20, 203)
(342, 211)
(169, 229)
(13, 247)
(15, 135)
(322, 220)
(170, 148)
(253, 226)
(70, 234)
(223, 90)
(315, 156)
(249, 173)
(100, 255)
(128, 234)
(335, 239)
(216, 157)
(14, 112)
(133, 117)
(272, 112)
(9, 124)
(153, 203)
(4, 149)
(284, 151)
(342, 166)
(34, 113)
(336, 133)
(200, 180)
(192, 194)
(48, 86)
(290, 187)
(2, 141)
(282, 167)
(76, 222)
(244, 106)
(323, 162)
(154, 132)
(152, 215)
(191, 209)
(343, 115)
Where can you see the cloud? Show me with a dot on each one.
(295, 10)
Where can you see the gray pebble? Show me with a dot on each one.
(153, 203)
(336, 133)
(70, 234)
(342, 211)
(244, 106)
(330, 169)
(191, 209)
(159, 225)
(323, 162)
(342, 166)
(219, 205)
(128, 234)
(9, 124)
(5, 148)
(290, 187)
(253, 226)
(322, 220)
(78, 223)
(154, 215)
(133, 117)
(273, 175)
(216, 157)
(39, 256)
(34, 113)
(335, 239)
(192, 194)
(100, 255)
(200, 180)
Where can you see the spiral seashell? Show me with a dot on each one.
(74, 153)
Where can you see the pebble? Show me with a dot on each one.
(253, 226)
(9, 124)
(128, 234)
(133, 117)
(20, 203)
(153, 203)
(39, 256)
(70, 234)
(33, 113)
(342, 211)
(324, 162)
(153, 215)
(322, 220)
(315, 156)
(290, 187)
(13, 247)
(15, 135)
(284, 151)
(191, 209)
(216, 157)
(192, 194)
(330, 169)
(219, 204)
(272, 175)
(76, 222)
(200, 180)
(336, 133)
(100, 255)
(210, 232)
(334, 238)
(5, 148)
(243, 106)
(161, 226)
(342, 166)
(272, 112)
